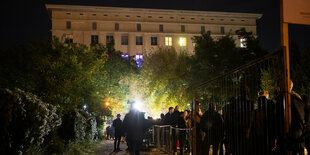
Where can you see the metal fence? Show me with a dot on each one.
(170, 139)
(250, 113)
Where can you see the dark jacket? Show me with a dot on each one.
(168, 119)
(181, 122)
(117, 123)
(213, 125)
(134, 125)
(175, 117)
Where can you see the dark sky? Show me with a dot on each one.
(28, 20)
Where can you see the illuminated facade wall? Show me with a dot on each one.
(140, 31)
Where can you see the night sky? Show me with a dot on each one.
(28, 20)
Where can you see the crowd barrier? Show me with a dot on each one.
(170, 139)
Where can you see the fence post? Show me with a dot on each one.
(195, 111)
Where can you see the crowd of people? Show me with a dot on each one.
(242, 127)
(255, 127)
(132, 128)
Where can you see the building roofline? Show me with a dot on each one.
(152, 11)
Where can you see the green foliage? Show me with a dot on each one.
(67, 76)
(300, 69)
(25, 120)
(165, 78)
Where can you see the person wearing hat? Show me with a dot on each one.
(117, 123)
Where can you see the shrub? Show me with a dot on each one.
(25, 120)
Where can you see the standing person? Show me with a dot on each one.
(134, 123)
(213, 125)
(174, 123)
(294, 141)
(108, 132)
(307, 122)
(117, 124)
(168, 116)
(181, 127)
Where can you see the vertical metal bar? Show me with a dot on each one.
(195, 124)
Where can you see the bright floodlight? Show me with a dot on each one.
(84, 106)
(138, 105)
(107, 103)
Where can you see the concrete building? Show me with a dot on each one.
(140, 31)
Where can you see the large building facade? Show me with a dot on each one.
(141, 31)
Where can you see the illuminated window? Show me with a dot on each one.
(139, 60)
(243, 43)
(68, 25)
(94, 39)
(182, 41)
(125, 56)
(69, 39)
(168, 41)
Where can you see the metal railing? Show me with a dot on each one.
(166, 138)
(243, 122)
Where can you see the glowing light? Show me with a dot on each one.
(182, 41)
(138, 104)
(84, 106)
(168, 41)
(107, 103)
(243, 43)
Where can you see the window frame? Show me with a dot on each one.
(154, 43)
(182, 28)
(68, 25)
(161, 28)
(184, 43)
(116, 26)
(94, 25)
(168, 41)
(139, 40)
(92, 38)
(124, 42)
(139, 27)
(109, 39)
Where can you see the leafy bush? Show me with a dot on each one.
(25, 120)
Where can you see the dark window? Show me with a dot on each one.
(222, 30)
(161, 28)
(109, 39)
(138, 27)
(116, 26)
(124, 40)
(94, 39)
(94, 26)
(182, 28)
(139, 40)
(203, 29)
(68, 25)
(153, 40)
